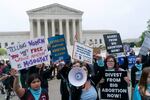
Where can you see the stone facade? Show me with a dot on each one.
(52, 20)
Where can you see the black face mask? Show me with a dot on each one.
(138, 62)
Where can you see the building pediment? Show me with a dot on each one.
(54, 9)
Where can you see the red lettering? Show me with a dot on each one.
(14, 56)
(36, 50)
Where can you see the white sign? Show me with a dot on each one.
(28, 53)
(145, 46)
(83, 53)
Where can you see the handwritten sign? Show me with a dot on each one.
(83, 53)
(114, 86)
(28, 53)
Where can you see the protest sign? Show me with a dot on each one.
(121, 60)
(131, 61)
(114, 86)
(28, 53)
(113, 43)
(82, 53)
(145, 46)
(57, 46)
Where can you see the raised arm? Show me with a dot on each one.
(16, 85)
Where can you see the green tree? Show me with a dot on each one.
(2, 51)
(142, 38)
(146, 32)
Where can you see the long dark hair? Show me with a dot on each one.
(143, 80)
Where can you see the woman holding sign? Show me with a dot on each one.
(115, 81)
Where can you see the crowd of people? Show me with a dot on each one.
(32, 83)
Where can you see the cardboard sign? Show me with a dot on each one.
(113, 43)
(57, 46)
(28, 53)
(83, 53)
(114, 87)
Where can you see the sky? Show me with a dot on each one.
(127, 17)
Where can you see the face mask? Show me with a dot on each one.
(138, 66)
(100, 62)
(148, 88)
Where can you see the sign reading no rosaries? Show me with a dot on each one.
(114, 87)
(113, 43)
(82, 53)
(58, 48)
(28, 53)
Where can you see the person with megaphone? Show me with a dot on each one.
(82, 83)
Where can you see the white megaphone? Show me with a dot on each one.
(77, 76)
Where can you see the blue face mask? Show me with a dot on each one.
(36, 93)
(138, 66)
(148, 88)
(100, 62)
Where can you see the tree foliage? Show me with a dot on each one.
(142, 38)
(3, 51)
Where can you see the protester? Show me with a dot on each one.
(142, 89)
(136, 72)
(99, 67)
(34, 90)
(132, 52)
(111, 65)
(88, 90)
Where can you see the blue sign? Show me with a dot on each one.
(57, 46)
(131, 61)
(120, 60)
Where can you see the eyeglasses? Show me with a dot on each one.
(110, 61)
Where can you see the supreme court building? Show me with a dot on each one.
(55, 19)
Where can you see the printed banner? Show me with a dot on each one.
(83, 53)
(57, 46)
(113, 43)
(114, 87)
(131, 61)
(28, 53)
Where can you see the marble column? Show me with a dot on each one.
(67, 32)
(60, 27)
(38, 28)
(74, 29)
(80, 30)
(2, 45)
(46, 28)
(53, 27)
(31, 29)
